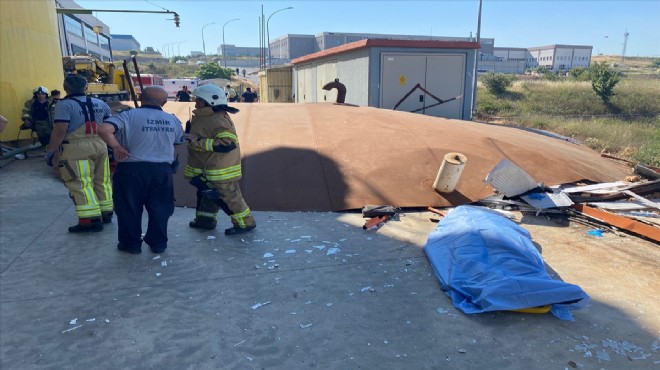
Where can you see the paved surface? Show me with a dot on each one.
(73, 301)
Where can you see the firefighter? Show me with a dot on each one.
(38, 114)
(83, 156)
(214, 163)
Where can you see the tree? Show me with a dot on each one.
(497, 83)
(133, 52)
(580, 74)
(213, 70)
(603, 81)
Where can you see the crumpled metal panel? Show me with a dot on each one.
(330, 157)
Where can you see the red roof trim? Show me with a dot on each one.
(428, 44)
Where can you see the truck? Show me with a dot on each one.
(105, 80)
(147, 79)
(174, 85)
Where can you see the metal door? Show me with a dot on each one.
(441, 75)
(399, 74)
(445, 78)
(326, 72)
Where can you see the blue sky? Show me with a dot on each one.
(519, 23)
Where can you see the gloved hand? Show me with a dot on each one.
(48, 157)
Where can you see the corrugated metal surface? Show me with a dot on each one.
(276, 85)
(328, 157)
(31, 57)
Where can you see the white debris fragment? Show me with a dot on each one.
(74, 321)
(156, 258)
(91, 320)
(163, 263)
(239, 343)
(328, 304)
(319, 247)
(107, 321)
(305, 236)
(308, 251)
(308, 302)
(366, 288)
(158, 274)
(603, 355)
(296, 227)
(210, 237)
(289, 251)
(76, 327)
(249, 358)
(260, 305)
(257, 267)
(343, 240)
(332, 251)
(304, 326)
(442, 310)
(268, 255)
(294, 241)
(461, 350)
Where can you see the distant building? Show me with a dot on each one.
(553, 57)
(292, 46)
(196, 53)
(82, 33)
(124, 42)
(238, 51)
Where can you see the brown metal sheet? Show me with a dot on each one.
(329, 157)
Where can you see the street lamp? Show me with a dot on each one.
(270, 62)
(224, 57)
(178, 46)
(203, 44)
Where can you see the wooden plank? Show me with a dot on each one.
(621, 222)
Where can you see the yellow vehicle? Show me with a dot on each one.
(105, 81)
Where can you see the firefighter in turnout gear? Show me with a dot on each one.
(83, 156)
(214, 163)
(38, 114)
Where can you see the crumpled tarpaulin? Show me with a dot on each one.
(485, 262)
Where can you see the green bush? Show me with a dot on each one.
(603, 81)
(580, 74)
(213, 70)
(497, 83)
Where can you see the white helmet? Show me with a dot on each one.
(41, 89)
(211, 94)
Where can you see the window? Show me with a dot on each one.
(72, 26)
(90, 35)
(105, 42)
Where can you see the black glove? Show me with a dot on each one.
(224, 148)
(48, 157)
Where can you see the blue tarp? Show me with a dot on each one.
(486, 262)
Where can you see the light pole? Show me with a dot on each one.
(203, 44)
(268, 33)
(178, 47)
(473, 108)
(224, 57)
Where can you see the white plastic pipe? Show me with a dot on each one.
(450, 172)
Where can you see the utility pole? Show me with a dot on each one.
(625, 43)
(473, 111)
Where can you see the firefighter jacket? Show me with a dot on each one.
(216, 154)
(32, 114)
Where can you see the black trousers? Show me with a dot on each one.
(143, 185)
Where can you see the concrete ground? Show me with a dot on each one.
(304, 290)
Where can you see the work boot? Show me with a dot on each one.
(123, 248)
(106, 217)
(203, 223)
(87, 225)
(238, 230)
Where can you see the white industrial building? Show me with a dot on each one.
(82, 33)
(382, 73)
(553, 57)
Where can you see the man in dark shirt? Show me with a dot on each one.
(183, 95)
(249, 96)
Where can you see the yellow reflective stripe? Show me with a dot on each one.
(192, 171)
(206, 214)
(87, 211)
(240, 217)
(225, 170)
(86, 185)
(227, 176)
(107, 188)
(208, 145)
(225, 134)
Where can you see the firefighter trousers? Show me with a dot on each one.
(85, 170)
(231, 202)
